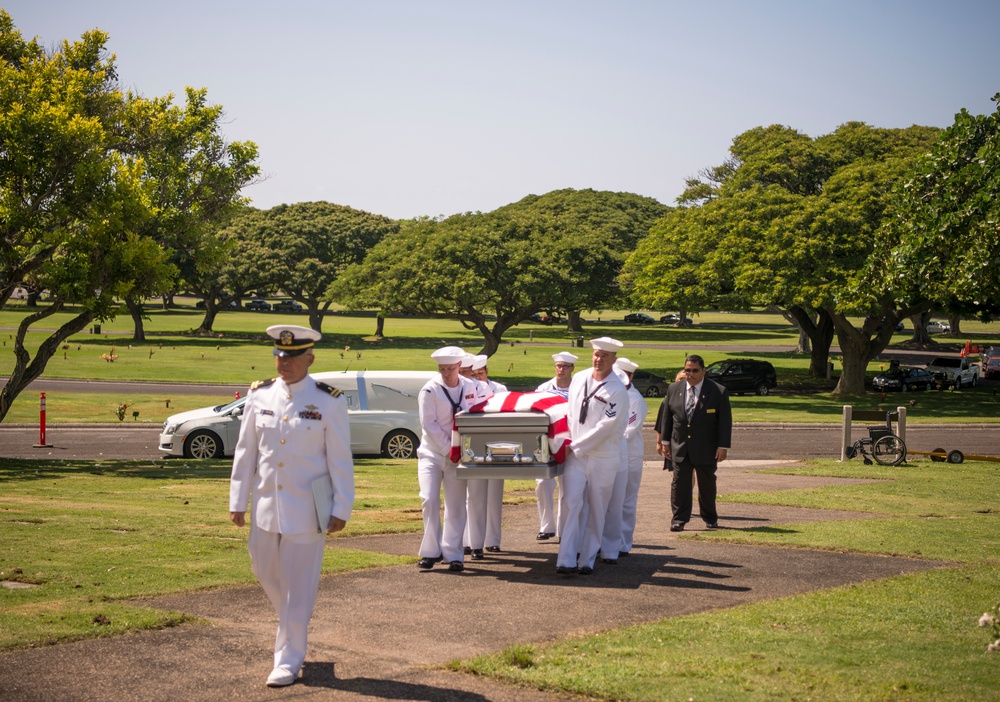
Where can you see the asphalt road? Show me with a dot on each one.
(750, 442)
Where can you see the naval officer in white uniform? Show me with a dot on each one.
(294, 432)
(438, 401)
(597, 415)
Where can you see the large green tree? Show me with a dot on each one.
(791, 222)
(941, 240)
(78, 192)
(617, 221)
(308, 244)
(490, 271)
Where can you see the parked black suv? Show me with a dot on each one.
(743, 375)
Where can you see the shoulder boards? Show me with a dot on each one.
(328, 389)
(261, 383)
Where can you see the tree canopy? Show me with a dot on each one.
(94, 182)
(557, 252)
(788, 221)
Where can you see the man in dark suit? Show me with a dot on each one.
(695, 427)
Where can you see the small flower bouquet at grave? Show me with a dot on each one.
(991, 620)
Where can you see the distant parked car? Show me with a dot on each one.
(261, 305)
(936, 327)
(743, 375)
(991, 367)
(675, 320)
(649, 384)
(233, 305)
(904, 378)
(639, 318)
(286, 306)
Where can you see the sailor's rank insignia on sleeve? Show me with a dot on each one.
(329, 389)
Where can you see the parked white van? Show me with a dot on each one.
(381, 405)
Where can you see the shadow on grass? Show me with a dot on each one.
(32, 469)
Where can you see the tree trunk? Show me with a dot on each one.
(573, 323)
(955, 322)
(210, 311)
(26, 370)
(135, 310)
(858, 347)
(920, 335)
(379, 327)
(819, 330)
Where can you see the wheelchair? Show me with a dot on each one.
(882, 445)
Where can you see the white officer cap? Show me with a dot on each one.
(626, 365)
(606, 343)
(448, 355)
(564, 357)
(479, 361)
(291, 339)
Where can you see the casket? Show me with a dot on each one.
(507, 445)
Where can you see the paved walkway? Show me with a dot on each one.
(384, 633)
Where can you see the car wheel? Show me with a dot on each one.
(202, 443)
(652, 391)
(399, 444)
(762, 389)
(958, 383)
(973, 383)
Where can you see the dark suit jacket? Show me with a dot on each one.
(711, 425)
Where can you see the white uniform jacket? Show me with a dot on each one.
(637, 411)
(438, 405)
(291, 435)
(600, 434)
(550, 386)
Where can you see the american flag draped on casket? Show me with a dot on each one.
(521, 419)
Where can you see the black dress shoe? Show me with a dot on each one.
(677, 526)
(624, 554)
(585, 570)
(456, 566)
(493, 549)
(610, 561)
(711, 525)
(477, 554)
(564, 570)
(467, 550)
(427, 563)
(544, 535)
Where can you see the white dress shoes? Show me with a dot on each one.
(282, 676)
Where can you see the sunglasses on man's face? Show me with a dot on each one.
(693, 370)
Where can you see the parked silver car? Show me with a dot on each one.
(381, 405)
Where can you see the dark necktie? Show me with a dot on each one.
(586, 400)
(691, 402)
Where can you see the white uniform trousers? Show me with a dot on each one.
(588, 482)
(545, 490)
(288, 567)
(494, 512)
(611, 539)
(631, 500)
(432, 474)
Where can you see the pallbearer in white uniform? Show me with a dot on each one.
(633, 442)
(619, 524)
(439, 400)
(597, 414)
(485, 496)
(294, 433)
(545, 488)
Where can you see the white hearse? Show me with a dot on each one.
(382, 406)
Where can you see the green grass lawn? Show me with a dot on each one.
(912, 637)
(98, 534)
(237, 353)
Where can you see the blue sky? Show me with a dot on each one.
(407, 108)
